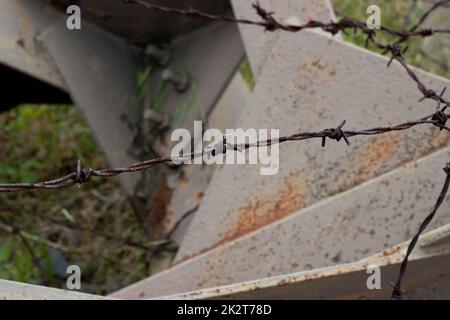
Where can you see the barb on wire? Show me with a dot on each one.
(336, 134)
(397, 292)
(270, 23)
(83, 175)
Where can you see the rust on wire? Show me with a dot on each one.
(83, 175)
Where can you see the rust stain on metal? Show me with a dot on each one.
(370, 158)
(261, 212)
(21, 43)
(159, 210)
(441, 139)
(24, 19)
(391, 251)
(198, 197)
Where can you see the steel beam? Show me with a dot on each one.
(258, 44)
(100, 71)
(428, 277)
(21, 22)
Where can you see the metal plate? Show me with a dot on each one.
(347, 227)
(258, 43)
(349, 281)
(328, 82)
(141, 26)
(93, 62)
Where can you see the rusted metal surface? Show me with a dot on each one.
(10, 290)
(306, 91)
(92, 62)
(21, 22)
(190, 182)
(349, 281)
(257, 43)
(208, 80)
(347, 227)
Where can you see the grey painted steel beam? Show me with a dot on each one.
(21, 22)
(140, 26)
(428, 277)
(100, 71)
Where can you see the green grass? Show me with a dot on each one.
(42, 142)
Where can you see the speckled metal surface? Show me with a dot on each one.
(11, 290)
(330, 81)
(347, 227)
(428, 278)
(258, 43)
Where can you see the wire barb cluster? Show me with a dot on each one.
(335, 134)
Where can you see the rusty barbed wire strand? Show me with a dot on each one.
(83, 175)
(397, 292)
(270, 23)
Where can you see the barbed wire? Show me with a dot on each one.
(397, 292)
(83, 175)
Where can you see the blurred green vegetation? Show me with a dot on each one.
(38, 142)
